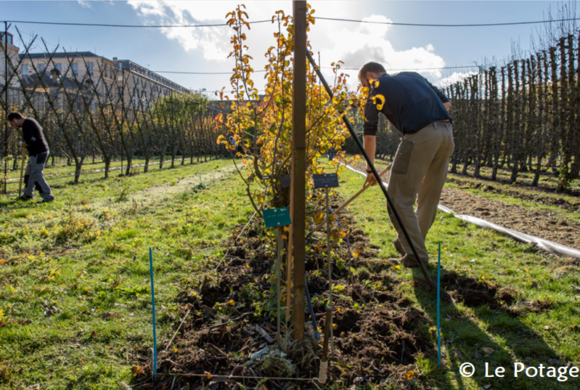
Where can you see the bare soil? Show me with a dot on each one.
(540, 223)
(377, 332)
(545, 224)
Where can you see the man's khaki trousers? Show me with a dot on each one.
(419, 173)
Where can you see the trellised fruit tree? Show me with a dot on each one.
(260, 126)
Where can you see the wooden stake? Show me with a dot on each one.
(22, 170)
(298, 182)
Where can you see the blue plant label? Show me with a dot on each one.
(277, 217)
(327, 180)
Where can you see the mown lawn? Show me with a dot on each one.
(74, 274)
(75, 290)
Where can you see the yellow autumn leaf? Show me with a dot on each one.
(319, 217)
(382, 101)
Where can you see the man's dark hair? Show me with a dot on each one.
(14, 115)
(374, 67)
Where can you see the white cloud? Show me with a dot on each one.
(453, 78)
(353, 43)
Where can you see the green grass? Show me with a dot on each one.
(65, 265)
(484, 255)
(74, 274)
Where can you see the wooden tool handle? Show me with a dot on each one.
(22, 171)
(327, 325)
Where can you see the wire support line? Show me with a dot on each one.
(448, 25)
(324, 67)
(317, 18)
(208, 375)
(130, 25)
(178, 72)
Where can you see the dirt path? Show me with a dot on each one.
(545, 224)
(540, 223)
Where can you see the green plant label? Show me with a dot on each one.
(327, 180)
(277, 217)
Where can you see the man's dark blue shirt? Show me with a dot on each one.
(408, 100)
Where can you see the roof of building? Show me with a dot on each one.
(129, 65)
(36, 56)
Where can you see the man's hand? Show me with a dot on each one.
(371, 180)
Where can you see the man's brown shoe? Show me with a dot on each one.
(399, 247)
(409, 261)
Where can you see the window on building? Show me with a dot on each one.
(90, 68)
(120, 66)
(75, 68)
(58, 67)
(120, 91)
(41, 67)
(24, 69)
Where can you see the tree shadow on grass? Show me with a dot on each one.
(484, 325)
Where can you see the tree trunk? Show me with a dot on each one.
(78, 167)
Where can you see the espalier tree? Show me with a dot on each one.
(259, 127)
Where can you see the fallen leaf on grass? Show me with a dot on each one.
(137, 370)
(487, 351)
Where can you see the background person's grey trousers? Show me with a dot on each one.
(34, 177)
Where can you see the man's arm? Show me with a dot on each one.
(370, 147)
(447, 105)
(370, 143)
(370, 128)
(27, 133)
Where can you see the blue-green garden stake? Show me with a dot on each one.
(153, 311)
(439, 306)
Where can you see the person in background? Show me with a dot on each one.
(419, 111)
(35, 143)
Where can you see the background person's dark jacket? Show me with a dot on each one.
(411, 103)
(34, 137)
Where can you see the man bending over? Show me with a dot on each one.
(419, 111)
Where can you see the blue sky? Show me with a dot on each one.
(204, 50)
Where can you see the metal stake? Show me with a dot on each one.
(329, 264)
(6, 108)
(153, 311)
(439, 305)
(278, 282)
